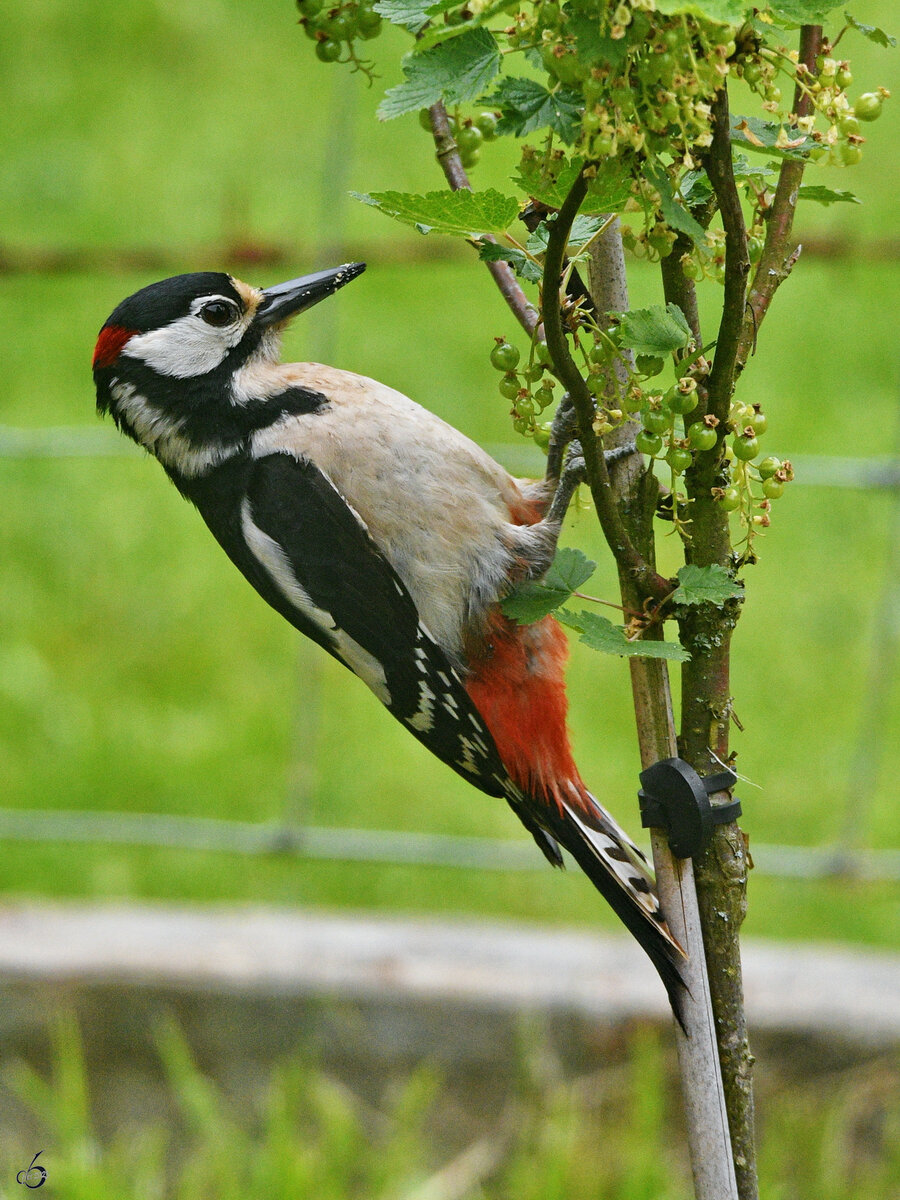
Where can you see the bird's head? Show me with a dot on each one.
(170, 359)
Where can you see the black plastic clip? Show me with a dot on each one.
(674, 798)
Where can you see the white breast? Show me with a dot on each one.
(436, 505)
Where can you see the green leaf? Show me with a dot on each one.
(520, 262)
(440, 33)
(412, 14)
(872, 32)
(722, 12)
(593, 46)
(583, 229)
(527, 105)
(461, 214)
(705, 585)
(600, 634)
(803, 12)
(675, 215)
(608, 190)
(824, 195)
(768, 137)
(655, 330)
(532, 601)
(456, 71)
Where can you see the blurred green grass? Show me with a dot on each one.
(139, 672)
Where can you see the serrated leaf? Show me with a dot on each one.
(600, 634)
(803, 12)
(583, 229)
(412, 14)
(532, 601)
(523, 266)
(675, 215)
(824, 195)
(595, 48)
(526, 105)
(705, 585)
(569, 569)
(872, 32)
(769, 137)
(655, 330)
(721, 12)
(457, 70)
(608, 190)
(461, 214)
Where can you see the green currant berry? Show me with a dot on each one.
(342, 27)
(681, 402)
(533, 372)
(541, 434)
(655, 420)
(599, 353)
(543, 397)
(843, 78)
(758, 422)
(486, 122)
(509, 386)
(468, 139)
(648, 443)
(745, 447)
(369, 23)
(773, 488)
(328, 50)
(849, 125)
(769, 466)
(730, 499)
(469, 158)
(679, 459)
(521, 424)
(868, 106)
(752, 73)
(505, 357)
(702, 437)
(850, 154)
(309, 8)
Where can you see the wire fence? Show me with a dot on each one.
(292, 836)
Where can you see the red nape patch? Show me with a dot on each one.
(518, 686)
(109, 345)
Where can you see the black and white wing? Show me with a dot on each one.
(304, 549)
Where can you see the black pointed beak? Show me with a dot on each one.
(287, 299)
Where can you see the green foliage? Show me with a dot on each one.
(305, 1132)
(527, 105)
(462, 213)
(872, 32)
(705, 585)
(532, 601)
(456, 71)
(600, 634)
(655, 330)
(824, 195)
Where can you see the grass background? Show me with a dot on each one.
(139, 672)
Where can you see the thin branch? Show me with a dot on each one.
(451, 164)
(720, 169)
(777, 258)
(649, 583)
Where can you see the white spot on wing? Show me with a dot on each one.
(275, 562)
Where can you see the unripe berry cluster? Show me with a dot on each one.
(528, 387)
(469, 133)
(335, 30)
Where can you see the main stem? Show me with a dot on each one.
(634, 492)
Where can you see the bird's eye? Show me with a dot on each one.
(218, 312)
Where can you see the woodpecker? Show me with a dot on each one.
(386, 536)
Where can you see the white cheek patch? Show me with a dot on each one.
(160, 434)
(187, 347)
(275, 562)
